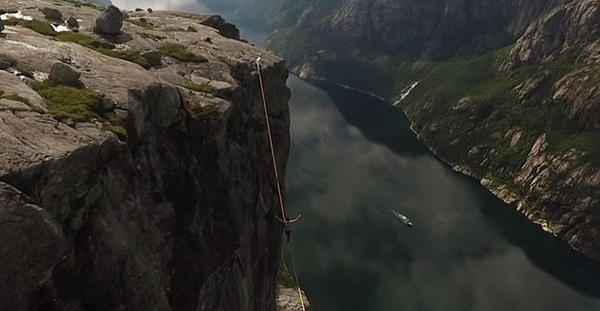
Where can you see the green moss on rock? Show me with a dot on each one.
(201, 88)
(65, 102)
(179, 52)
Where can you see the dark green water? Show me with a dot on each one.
(353, 158)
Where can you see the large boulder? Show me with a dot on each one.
(109, 23)
(72, 22)
(52, 14)
(227, 30)
(154, 57)
(62, 73)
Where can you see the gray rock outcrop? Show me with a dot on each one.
(163, 199)
(32, 245)
(154, 57)
(227, 30)
(109, 23)
(52, 14)
(62, 73)
(563, 28)
(72, 22)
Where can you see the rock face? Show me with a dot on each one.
(72, 22)
(62, 73)
(505, 91)
(227, 30)
(33, 243)
(288, 299)
(52, 14)
(177, 214)
(110, 22)
(380, 35)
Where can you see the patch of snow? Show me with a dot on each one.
(18, 15)
(60, 28)
(120, 46)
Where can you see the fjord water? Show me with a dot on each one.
(353, 159)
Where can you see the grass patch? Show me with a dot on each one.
(128, 55)
(41, 27)
(104, 47)
(179, 52)
(87, 41)
(84, 40)
(201, 88)
(80, 105)
(65, 102)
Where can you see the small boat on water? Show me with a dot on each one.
(403, 219)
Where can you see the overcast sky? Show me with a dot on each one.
(160, 4)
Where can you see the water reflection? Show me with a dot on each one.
(353, 158)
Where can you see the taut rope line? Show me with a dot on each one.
(284, 218)
(267, 121)
(296, 279)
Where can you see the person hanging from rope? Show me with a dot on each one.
(286, 225)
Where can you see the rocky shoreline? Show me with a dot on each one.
(505, 194)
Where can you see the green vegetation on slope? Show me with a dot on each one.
(201, 88)
(88, 41)
(179, 52)
(104, 47)
(65, 102)
(491, 108)
(80, 105)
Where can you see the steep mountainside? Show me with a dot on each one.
(139, 176)
(505, 91)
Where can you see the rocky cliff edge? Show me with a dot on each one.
(154, 191)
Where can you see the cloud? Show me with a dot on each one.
(188, 5)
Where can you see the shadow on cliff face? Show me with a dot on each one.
(381, 125)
